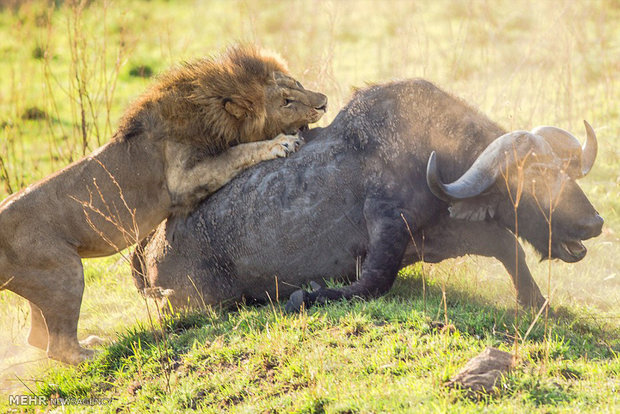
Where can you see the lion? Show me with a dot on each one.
(196, 128)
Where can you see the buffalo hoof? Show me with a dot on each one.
(301, 299)
(533, 302)
(297, 301)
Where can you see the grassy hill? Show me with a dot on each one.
(386, 355)
(68, 71)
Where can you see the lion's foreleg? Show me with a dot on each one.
(188, 186)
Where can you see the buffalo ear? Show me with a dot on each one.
(236, 110)
(474, 209)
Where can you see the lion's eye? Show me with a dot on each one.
(288, 102)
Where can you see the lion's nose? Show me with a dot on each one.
(322, 102)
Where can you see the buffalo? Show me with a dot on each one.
(404, 173)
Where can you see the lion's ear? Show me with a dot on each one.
(236, 110)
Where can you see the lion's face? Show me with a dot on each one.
(244, 96)
(289, 107)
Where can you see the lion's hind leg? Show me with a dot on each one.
(55, 293)
(38, 328)
(17, 282)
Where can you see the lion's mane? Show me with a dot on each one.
(187, 103)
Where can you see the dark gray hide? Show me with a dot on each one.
(346, 195)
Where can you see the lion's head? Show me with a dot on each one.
(245, 95)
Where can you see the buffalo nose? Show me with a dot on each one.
(598, 224)
(592, 227)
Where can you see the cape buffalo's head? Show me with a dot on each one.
(536, 172)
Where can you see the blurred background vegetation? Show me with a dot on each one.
(68, 69)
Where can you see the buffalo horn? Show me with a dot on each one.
(567, 147)
(589, 150)
(487, 167)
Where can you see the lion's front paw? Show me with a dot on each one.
(284, 145)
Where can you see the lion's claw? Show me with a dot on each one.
(286, 145)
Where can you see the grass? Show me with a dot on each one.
(66, 75)
(378, 356)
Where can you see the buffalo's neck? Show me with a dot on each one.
(310, 134)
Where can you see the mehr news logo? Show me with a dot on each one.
(42, 400)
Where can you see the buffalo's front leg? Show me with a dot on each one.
(388, 239)
(455, 238)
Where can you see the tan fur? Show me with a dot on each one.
(194, 130)
(191, 100)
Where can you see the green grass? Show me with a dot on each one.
(523, 63)
(377, 356)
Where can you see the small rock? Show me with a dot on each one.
(480, 374)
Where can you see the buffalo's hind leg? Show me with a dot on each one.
(388, 239)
